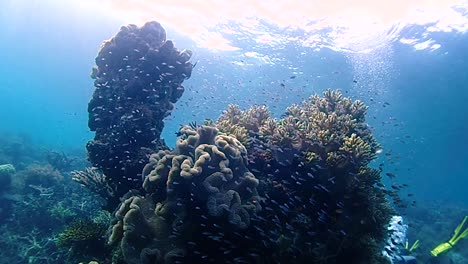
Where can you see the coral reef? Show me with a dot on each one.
(138, 77)
(243, 124)
(40, 177)
(83, 239)
(37, 215)
(204, 179)
(313, 197)
(312, 167)
(61, 212)
(432, 223)
(59, 160)
(327, 130)
(81, 231)
(93, 179)
(6, 171)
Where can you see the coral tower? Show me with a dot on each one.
(138, 77)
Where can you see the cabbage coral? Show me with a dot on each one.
(204, 179)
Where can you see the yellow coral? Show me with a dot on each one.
(330, 126)
(357, 149)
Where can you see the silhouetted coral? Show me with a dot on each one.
(138, 77)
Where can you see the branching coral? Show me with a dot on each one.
(61, 212)
(321, 129)
(95, 181)
(312, 167)
(353, 151)
(243, 124)
(138, 77)
(80, 231)
(83, 239)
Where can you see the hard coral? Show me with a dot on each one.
(312, 168)
(138, 77)
(44, 176)
(321, 129)
(83, 239)
(80, 231)
(243, 124)
(93, 179)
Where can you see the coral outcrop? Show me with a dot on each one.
(313, 199)
(6, 171)
(138, 77)
(205, 179)
(312, 165)
(329, 130)
(40, 177)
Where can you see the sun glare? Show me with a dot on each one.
(355, 20)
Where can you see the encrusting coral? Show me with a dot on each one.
(204, 177)
(138, 77)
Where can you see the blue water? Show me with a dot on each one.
(417, 103)
(45, 85)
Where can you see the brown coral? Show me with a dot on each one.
(138, 77)
(205, 177)
(312, 167)
(320, 129)
(243, 124)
